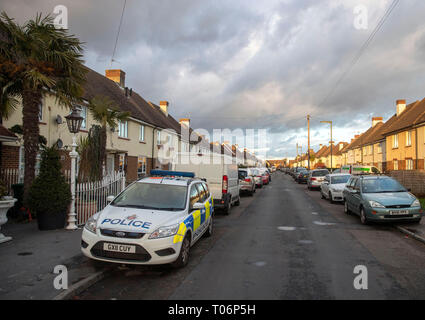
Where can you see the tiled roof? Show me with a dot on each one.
(412, 115)
(321, 151)
(139, 108)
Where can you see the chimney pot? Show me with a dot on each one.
(164, 107)
(185, 122)
(376, 120)
(400, 106)
(116, 75)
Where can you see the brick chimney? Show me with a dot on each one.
(185, 122)
(164, 107)
(401, 106)
(356, 136)
(376, 120)
(116, 75)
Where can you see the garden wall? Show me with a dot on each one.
(411, 179)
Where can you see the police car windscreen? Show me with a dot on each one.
(153, 196)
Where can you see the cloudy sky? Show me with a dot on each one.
(256, 64)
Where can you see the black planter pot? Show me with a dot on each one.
(51, 221)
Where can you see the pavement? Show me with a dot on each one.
(28, 261)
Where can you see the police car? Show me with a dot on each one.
(155, 220)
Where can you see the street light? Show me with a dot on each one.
(330, 122)
(73, 121)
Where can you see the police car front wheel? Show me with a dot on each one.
(183, 257)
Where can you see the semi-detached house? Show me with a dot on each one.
(133, 146)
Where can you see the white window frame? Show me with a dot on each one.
(395, 164)
(395, 141)
(158, 137)
(141, 160)
(409, 164)
(142, 133)
(83, 113)
(123, 129)
(408, 138)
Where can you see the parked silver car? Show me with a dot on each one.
(316, 178)
(247, 181)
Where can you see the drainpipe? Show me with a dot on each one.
(416, 147)
(153, 145)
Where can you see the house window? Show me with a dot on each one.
(142, 133)
(141, 166)
(408, 138)
(409, 164)
(380, 147)
(395, 141)
(40, 112)
(121, 163)
(123, 129)
(158, 137)
(395, 164)
(83, 113)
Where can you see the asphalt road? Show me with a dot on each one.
(283, 243)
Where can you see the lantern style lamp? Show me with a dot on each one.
(73, 121)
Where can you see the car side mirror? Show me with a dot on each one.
(409, 190)
(197, 206)
(109, 199)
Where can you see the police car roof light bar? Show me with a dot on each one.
(168, 173)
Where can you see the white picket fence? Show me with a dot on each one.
(90, 197)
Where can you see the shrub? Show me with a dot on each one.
(49, 193)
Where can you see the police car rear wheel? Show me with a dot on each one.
(183, 257)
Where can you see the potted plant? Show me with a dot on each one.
(6, 202)
(50, 195)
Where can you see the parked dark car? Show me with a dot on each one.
(303, 177)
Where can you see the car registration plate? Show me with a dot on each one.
(119, 248)
(398, 212)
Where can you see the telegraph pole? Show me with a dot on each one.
(308, 143)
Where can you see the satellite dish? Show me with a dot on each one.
(59, 119)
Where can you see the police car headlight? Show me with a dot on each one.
(163, 232)
(91, 225)
(416, 203)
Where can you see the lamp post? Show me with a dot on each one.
(73, 121)
(330, 122)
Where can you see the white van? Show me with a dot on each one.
(359, 169)
(220, 172)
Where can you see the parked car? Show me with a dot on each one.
(258, 177)
(333, 185)
(153, 221)
(246, 181)
(296, 171)
(380, 198)
(316, 178)
(303, 176)
(265, 175)
(221, 173)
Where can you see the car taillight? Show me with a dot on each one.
(312, 178)
(225, 184)
(247, 180)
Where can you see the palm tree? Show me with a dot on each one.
(106, 112)
(36, 58)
